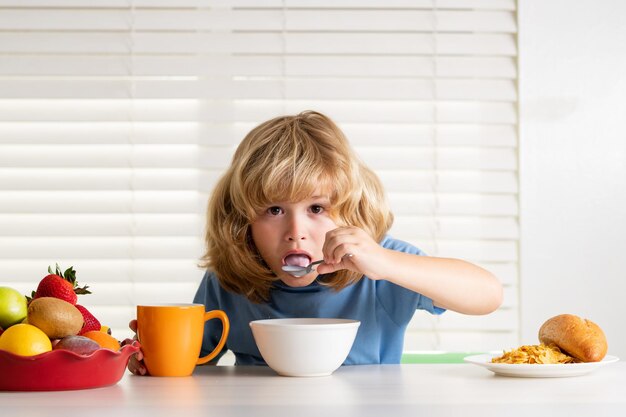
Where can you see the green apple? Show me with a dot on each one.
(13, 307)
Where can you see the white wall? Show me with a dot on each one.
(573, 164)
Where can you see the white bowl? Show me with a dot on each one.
(304, 347)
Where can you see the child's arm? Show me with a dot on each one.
(451, 283)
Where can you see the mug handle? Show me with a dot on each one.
(216, 314)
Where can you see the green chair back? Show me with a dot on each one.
(436, 357)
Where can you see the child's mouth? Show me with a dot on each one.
(297, 259)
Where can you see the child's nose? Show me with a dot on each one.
(296, 229)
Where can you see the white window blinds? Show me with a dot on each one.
(116, 118)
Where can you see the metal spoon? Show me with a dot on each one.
(300, 271)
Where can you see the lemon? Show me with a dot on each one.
(25, 340)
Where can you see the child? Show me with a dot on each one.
(295, 193)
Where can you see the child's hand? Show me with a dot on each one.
(135, 364)
(352, 248)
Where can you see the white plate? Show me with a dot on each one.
(538, 370)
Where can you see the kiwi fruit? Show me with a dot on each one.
(55, 317)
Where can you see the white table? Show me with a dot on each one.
(381, 391)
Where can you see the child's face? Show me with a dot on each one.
(293, 234)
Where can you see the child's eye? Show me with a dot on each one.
(274, 211)
(317, 209)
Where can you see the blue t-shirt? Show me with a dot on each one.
(383, 308)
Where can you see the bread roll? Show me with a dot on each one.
(580, 338)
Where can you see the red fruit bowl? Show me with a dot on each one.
(61, 370)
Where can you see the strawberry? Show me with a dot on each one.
(91, 323)
(60, 285)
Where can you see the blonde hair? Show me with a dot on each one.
(287, 158)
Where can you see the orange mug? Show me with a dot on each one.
(171, 337)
